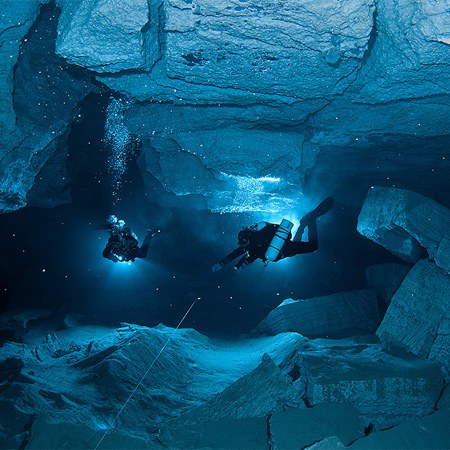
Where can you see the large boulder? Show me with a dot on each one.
(263, 391)
(333, 315)
(386, 389)
(418, 318)
(404, 222)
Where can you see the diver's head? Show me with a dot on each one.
(244, 237)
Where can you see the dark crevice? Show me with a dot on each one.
(372, 38)
(270, 443)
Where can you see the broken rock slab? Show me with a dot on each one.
(403, 222)
(385, 279)
(418, 318)
(338, 314)
(263, 391)
(429, 432)
(385, 388)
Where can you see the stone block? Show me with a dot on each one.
(385, 388)
(442, 256)
(333, 315)
(263, 391)
(403, 221)
(418, 316)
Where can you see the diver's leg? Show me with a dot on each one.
(292, 248)
(318, 211)
(143, 250)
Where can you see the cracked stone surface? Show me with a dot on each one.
(332, 315)
(94, 34)
(404, 222)
(418, 316)
(42, 100)
(202, 390)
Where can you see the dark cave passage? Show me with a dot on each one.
(54, 255)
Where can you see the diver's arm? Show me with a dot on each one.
(233, 255)
(109, 254)
(244, 262)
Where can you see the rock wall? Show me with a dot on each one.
(41, 96)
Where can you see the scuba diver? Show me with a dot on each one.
(272, 242)
(122, 244)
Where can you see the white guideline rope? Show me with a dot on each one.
(145, 374)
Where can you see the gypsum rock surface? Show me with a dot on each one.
(385, 279)
(41, 99)
(339, 68)
(418, 318)
(339, 314)
(362, 110)
(245, 49)
(15, 22)
(385, 388)
(94, 34)
(403, 222)
(84, 375)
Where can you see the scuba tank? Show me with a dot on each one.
(278, 240)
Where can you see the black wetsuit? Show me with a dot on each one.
(259, 241)
(122, 246)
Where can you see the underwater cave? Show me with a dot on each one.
(192, 121)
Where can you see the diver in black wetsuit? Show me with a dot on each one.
(254, 240)
(122, 244)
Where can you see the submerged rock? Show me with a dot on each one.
(386, 389)
(332, 315)
(418, 318)
(404, 222)
(204, 390)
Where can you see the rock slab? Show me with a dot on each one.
(337, 314)
(418, 318)
(403, 222)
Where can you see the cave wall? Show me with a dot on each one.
(238, 91)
